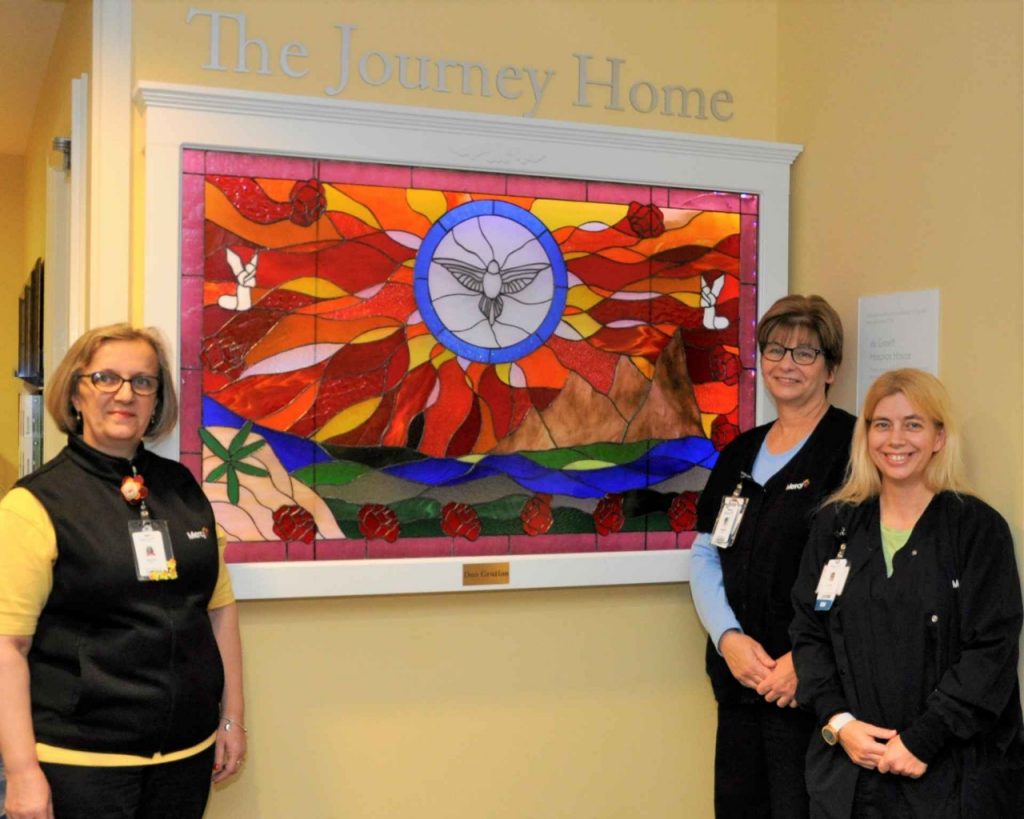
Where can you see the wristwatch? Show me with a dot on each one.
(830, 731)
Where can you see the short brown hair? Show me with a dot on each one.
(811, 312)
(64, 382)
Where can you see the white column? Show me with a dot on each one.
(110, 151)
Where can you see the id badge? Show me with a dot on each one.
(151, 548)
(730, 516)
(831, 583)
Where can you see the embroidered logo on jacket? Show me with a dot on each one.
(790, 487)
(198, 534)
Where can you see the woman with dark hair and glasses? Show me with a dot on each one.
(120, 657)
(753, 519)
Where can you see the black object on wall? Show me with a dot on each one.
(30, 329)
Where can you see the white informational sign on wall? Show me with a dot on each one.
(896, 330)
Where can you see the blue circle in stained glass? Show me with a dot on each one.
(490, 281)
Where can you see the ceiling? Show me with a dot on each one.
(28, 30)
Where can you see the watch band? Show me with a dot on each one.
(830, 731)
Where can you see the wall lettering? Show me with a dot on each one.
(606, 82)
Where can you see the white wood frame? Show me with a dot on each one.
(179, 116)
(110, 158)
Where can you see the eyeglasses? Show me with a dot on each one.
(801, 355)
(109, 381)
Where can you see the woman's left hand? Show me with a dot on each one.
(230, 752)
(780, 684)
(896, 759)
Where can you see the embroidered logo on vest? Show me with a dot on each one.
(199, 534)
(790, 487)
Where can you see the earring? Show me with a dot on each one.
(78, 418)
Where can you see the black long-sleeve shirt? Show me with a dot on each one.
(931, 652)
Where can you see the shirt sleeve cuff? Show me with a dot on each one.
(828, 706)
(926, 736)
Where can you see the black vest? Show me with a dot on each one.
(759, 569)
(118, 665)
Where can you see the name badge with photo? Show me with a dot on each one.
(727, 524)
(831, 583)
(151, 548)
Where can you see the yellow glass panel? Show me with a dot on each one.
(348, 419)
(374, 335)
(582, 324)
(582, 296)
(556, 214)
(419, 349)
(343, 203)
(312, 286)
(642, 364)
(587, 464)
(431, 204)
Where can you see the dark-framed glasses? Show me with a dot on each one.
(109, 381)
(803, 354)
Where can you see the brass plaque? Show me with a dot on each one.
(485, 574)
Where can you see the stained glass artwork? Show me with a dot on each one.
(384, 362)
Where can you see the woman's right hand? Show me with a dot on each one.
(28, 795)
(746, 658)
(864, 743)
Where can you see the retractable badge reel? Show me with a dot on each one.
(730, 516)
(833, 577)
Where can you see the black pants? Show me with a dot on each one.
(173, 790)
(759, 762)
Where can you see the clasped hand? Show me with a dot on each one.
(752, 666)
(879, 749)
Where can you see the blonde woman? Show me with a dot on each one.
(908, 616)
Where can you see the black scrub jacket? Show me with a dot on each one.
(759, 569)
(931, 652)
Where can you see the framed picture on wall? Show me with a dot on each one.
(30, 329)
(401, 376)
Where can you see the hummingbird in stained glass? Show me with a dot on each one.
(492, 282)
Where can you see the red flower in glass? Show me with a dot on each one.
(460, 520)
(682, 513)
(608, 517)
(133, 489)
(294, 523)
(536, 515)
(646, 221)
(223, 356)
(308, 202)
(722, 432)
(725, 366)
(378, 521)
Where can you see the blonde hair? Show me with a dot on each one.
(945, 471)
(64, 382)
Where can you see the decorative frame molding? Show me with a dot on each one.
(110, 164)
(179, 116)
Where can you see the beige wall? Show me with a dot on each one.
(576, 703)
(71, 58)
(592, 703)
(23, 211)
(706, 44)
(911, 179)
(13, 276)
